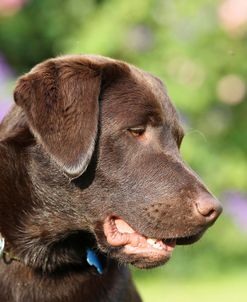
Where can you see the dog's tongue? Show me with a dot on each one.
(120, 233)
(123, 226)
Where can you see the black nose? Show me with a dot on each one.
(208, 207)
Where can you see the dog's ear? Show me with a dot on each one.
(60, 99)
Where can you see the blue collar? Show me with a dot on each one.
(93, 260)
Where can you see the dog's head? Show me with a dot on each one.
(112, 132)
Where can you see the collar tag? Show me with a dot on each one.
(2, 245)
(93, 260)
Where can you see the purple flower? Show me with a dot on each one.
(6, 76)
(5, 70)
(236, 205)
(4, 108)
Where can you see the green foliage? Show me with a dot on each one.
(157, 288)
(37, 32)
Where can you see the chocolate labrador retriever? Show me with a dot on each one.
(91, 179)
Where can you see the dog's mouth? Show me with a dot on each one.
(120, 233)
(137, 246)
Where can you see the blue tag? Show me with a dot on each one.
(93, 260)
(2, 244)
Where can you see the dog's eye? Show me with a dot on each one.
(137, 131)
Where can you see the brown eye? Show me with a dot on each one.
(137, 131)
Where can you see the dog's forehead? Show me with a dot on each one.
(138, 96)
(155, 86)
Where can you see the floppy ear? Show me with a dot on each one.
(60, 99)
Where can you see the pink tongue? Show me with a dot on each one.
(123, 227)
(119, 233)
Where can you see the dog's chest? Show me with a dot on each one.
(18, 285)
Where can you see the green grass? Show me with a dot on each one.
(230, 287)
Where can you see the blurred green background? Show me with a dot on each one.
(199, 49)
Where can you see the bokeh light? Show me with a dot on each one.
(233, 15)
(231, 89)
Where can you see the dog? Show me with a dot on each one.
(91, 180)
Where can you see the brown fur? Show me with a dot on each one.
(68, 160)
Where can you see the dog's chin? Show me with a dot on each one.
(147, 264)
(147, 261)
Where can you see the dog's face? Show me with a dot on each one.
(112, 130)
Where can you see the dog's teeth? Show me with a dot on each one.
(151, 241)
(154, 243)
(157, 246)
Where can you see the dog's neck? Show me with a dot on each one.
(91, 256)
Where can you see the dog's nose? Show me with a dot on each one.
(208, 207)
